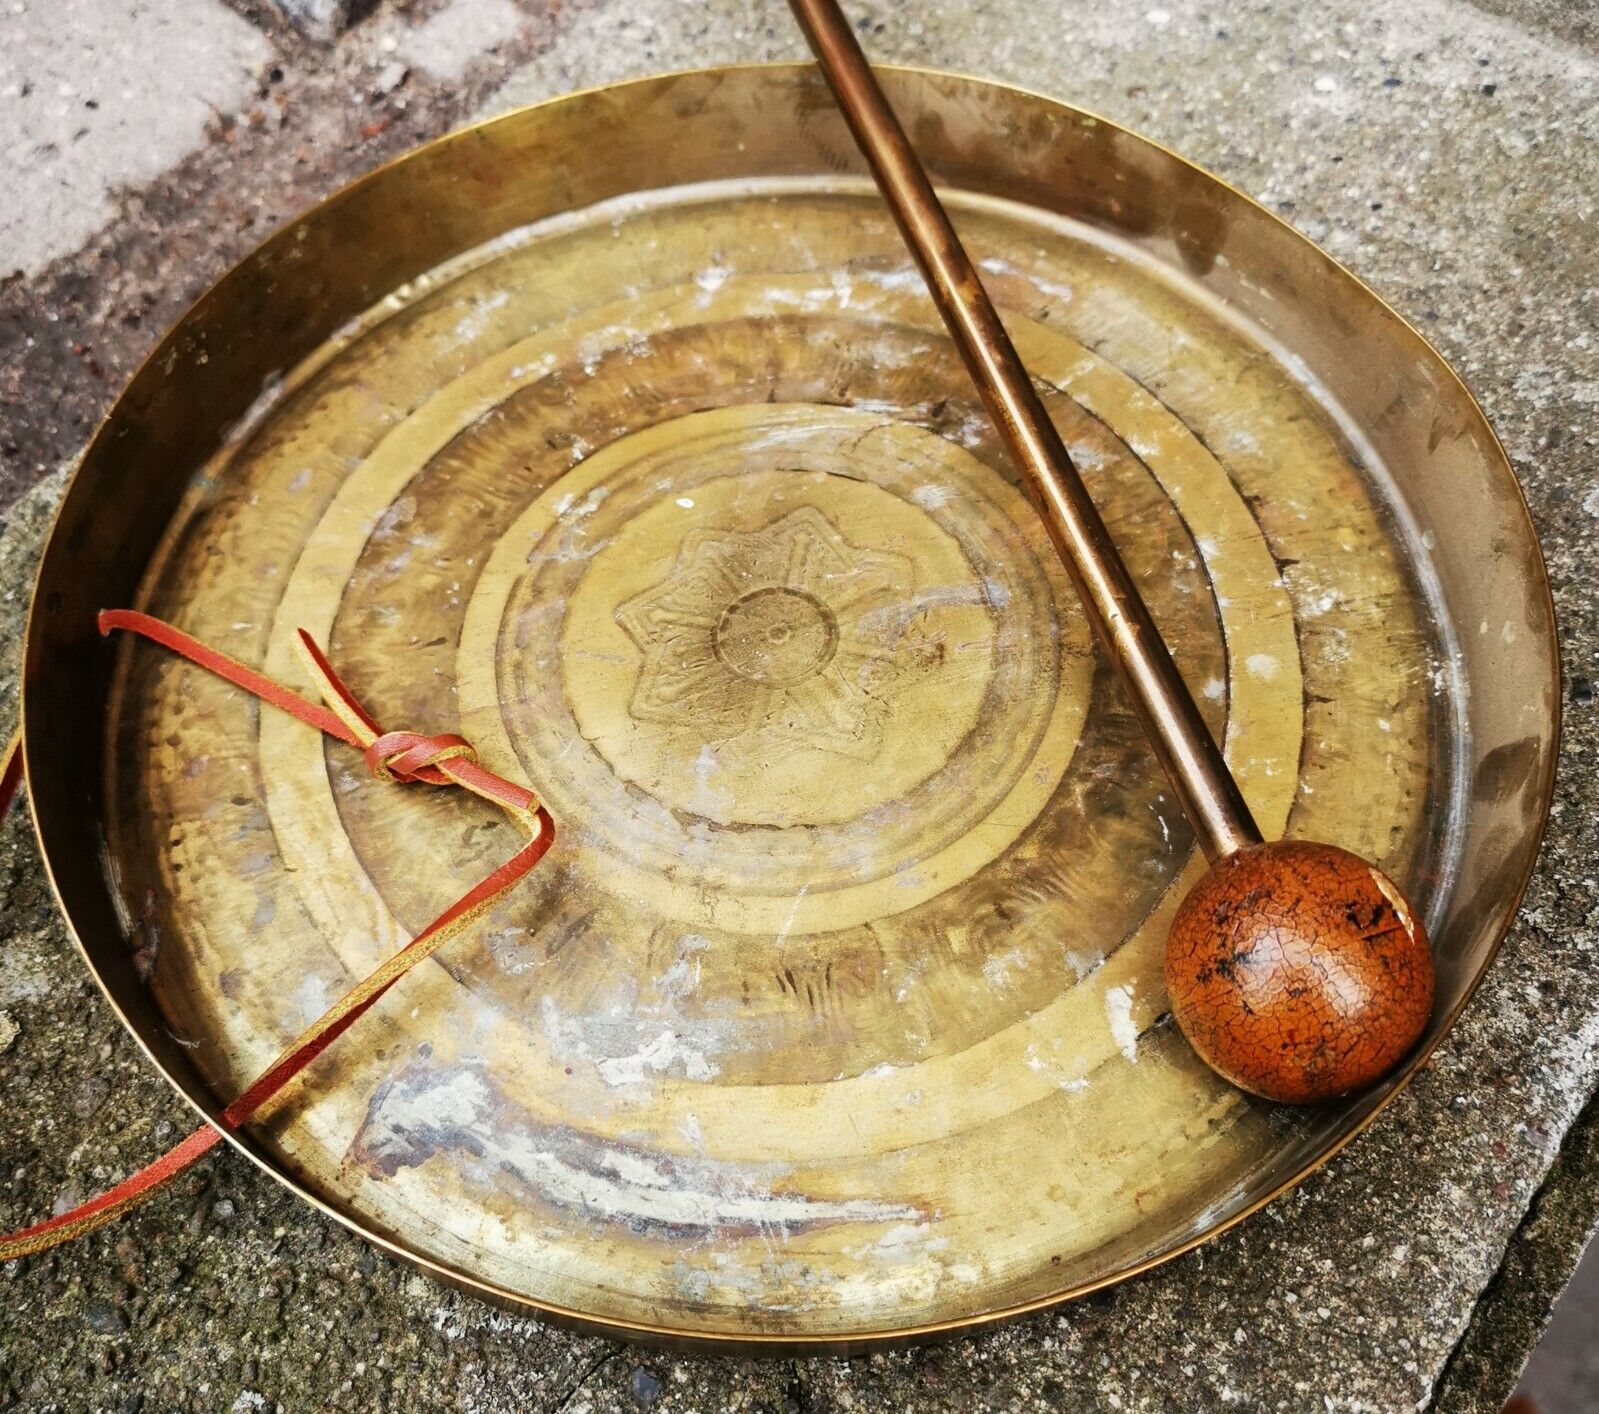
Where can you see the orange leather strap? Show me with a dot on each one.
(10, 772)
(392, 756)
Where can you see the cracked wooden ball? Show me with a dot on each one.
(1298, 971)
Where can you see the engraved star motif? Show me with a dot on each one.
(789, 630)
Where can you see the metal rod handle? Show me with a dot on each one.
(1205, 787)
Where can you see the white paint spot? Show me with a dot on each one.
(1119, 1012)
(998, 594)
(686, 502)
(793, 913)
(907, 279)
(931, 497)
(661, 1054)
(904, 1242)
(532, 370)
(311, 998)
(998, 971)
(1262, 665)
(1072, 1084)
(1082, 966)
(570, 505)
(1326, 83)
(626, 1049)
(680, 981)
(472, 323)
(1053, 288)
(592, 1177)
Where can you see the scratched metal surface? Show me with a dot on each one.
(836, 1008)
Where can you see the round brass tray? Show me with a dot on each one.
(619, 435)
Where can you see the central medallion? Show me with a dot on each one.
(787, 629)
(777, 637)
(782, 668)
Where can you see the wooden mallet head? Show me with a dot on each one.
(1298, 971)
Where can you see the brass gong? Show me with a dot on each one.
(619, 436)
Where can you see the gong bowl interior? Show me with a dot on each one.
(619, 435)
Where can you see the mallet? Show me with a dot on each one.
(1296, 970)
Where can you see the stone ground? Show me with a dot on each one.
(1448, 151)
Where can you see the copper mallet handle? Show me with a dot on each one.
(1297, 970)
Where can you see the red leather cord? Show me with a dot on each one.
(394, 756)
(10, 772)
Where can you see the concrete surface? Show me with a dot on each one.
(1446, 152)
(1562, 1376)
(1563, 1373)
(447, 42)
(310, 119)
(94, 97)
(1578, 22)
(318, 19)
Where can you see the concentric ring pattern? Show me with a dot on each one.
(837, 1004)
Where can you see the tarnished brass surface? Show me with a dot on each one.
(619, 436)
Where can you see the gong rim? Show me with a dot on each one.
(42, 654)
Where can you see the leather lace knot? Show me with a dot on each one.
(410, 756)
